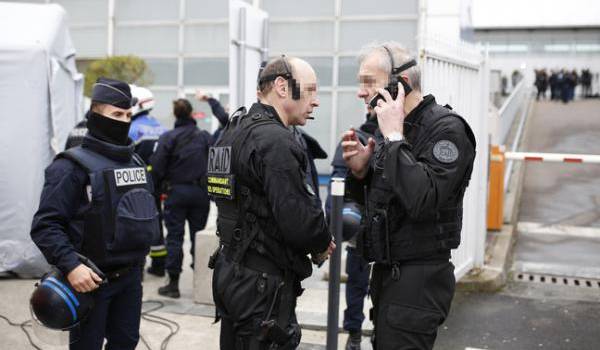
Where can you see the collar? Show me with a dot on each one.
(109, 150)
(184, 122)
(414, 115)
(370, 125)
(265, 109)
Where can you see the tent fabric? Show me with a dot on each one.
(41, 96)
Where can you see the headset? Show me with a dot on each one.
(394, 79)
(294, 88)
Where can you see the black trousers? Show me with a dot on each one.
(185, 202)
(115, 316)
(243, 298)
(409, 304)
(358, 271)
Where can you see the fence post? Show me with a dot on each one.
(495, 214)
(337, 203)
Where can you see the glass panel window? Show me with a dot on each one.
(163, 71)
(208, 38)
(146, 40)
(309, 37)
(305, 8)
(145, 10)
(348, 71)
(381, 7)
(89, 11)
(89, 42)
(206, 9)
(353, 35)
(206, 71)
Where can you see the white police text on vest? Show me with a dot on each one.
(130, 176)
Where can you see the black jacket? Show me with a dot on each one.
(272, 164)
(418, 184)
(181, 154)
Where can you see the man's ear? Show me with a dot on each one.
(280, 86)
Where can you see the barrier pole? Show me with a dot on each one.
(495, 214)
(335, 262)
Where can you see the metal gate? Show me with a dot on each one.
(457, 74)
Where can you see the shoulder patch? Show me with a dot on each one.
(445, 151)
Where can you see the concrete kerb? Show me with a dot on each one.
(498, 256)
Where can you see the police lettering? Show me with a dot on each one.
(130, 176)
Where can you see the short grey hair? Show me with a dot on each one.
(400, 54)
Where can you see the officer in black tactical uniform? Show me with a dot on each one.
(97, 201)
(269, 218)
(412, 177)
(179, 166)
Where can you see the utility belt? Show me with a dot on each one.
(255, 261)
(114, 273)
(413, 240)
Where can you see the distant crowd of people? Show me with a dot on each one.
(562, 84)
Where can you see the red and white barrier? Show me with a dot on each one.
(553, 157)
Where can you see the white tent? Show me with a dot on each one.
(40, 101)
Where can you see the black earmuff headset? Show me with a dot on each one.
(394, 79)
(294, 88)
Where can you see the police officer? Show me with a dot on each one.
(179, 165)
(144, 132)
(269, 221)
(357, 268)
(77, 134)
(97, 201)
(412, 178)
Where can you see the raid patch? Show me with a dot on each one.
(220, 181)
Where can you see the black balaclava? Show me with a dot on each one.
(107, 129)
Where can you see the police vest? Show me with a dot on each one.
(244, 222)
(389, 235)
(122, 219)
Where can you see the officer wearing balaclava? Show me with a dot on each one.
(97, 201)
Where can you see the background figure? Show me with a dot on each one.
(553, 82)
(541, 83)
(179, 165)
(222, 114)
(144, 132)
(76, 135)
(586, 83)
(357, 268)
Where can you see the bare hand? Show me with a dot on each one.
(83, 279)
(355, 154)
(390, 113)
(202, 96)
(331, 248)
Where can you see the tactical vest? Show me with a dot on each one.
(122, 219)
(244, 222)
(388, 234)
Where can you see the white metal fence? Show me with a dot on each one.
(509, 110)
(458, 75)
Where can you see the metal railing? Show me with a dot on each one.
(509, 111)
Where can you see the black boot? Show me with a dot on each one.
(171, 290)
(354, 339)
(157, 268)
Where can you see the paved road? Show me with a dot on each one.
(559, 231)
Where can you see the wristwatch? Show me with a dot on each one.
(393, 137)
